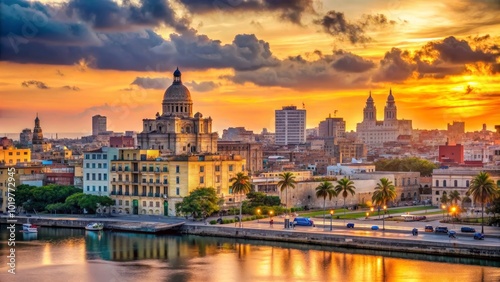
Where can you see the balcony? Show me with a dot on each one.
(150, 194)
(135, 194)
(165, 182)
(113, 169)
(113, 192)
(143, 194)
(157, 195)
(127, 194)
(120, 193)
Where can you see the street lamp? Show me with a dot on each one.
(331, 219)
(383, 218)
(367, 213)
(444, 208)
(453, 211)
(271, 218)
(258, 215)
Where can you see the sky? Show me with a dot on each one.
(68, 60)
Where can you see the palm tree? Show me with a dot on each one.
(454, 197)
(287, 180)
(384, 192)
(241, 185)
(444, 199)
(483, 189)
(325, 189)
(345, 186)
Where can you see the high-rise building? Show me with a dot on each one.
(375, 133)
(98, 125)
(176, 131)
(332, 127)
(26, 137)
(290, 126)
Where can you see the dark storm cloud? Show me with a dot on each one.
(203, 86)
(152, 83)
(107, 14)
(290, 10)
(349, 62)
(397, 65)
(336, 24)
(36, 83)
(459, 51)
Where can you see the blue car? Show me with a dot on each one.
(374, 227)
(303, 221)
(478, 236)
(467, 229)
(350, 225)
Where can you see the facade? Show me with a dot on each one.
(142, 182)
(238, 134)
(373, 132)
(332, 127)
(267, 182)
(445, 181)
(176, 131)
(98, 125)
(451, 154)
(121, 142)
(350, 169)
(290, 126)
(26, 137)
(251, 152)
(96, 170)
(12, 156)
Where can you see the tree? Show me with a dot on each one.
(325, 189)
(483, 190)
(444, 199)
(258, 199)
(287, 180)
(423, 166)
(384, 192)
(241, 185)
(89, 203)
(57, 207)
(200, 203)
(72, 202)
(345, 186)
(454, 197)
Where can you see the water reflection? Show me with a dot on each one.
(104, 256)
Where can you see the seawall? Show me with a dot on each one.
(347, 241)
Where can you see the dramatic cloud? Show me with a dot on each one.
(36, 83)
(459, 51)
(108, 14)
(349, 62)
(152, 83)
(337, 25)
(290, 10)
(203, 86)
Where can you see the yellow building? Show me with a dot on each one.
(13, 156)
(142, 182)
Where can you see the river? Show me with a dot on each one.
(61, 254)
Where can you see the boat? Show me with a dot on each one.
(94, 226)
(30, 228)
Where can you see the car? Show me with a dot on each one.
(303, 221)
(350, 225)
(478, 236)
(429, 228)
(467, 229)
(441, 229)
(374, 227)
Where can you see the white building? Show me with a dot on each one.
(349, 169)
(373, 132)
(290, 126)
(98, 125)
(96, 168)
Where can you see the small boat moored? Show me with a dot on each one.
(94, 227)
(30, 228)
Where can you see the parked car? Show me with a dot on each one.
(478, 236)
(467, 229)
(374, 227)
(303, 221)
(429, 228)
(441, 229)
(350, 225)
(414, 232)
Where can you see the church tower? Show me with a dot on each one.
(37, 132)
(390, 110)
(370, 111)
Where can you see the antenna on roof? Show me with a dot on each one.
(303, 105)
(335, 113)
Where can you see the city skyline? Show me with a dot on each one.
(441, 61)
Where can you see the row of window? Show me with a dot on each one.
(98, 165)
(144, 192)
(100, 176)
(104, 188)
(127, 203)
(18, 153)
(455, 183)
(96, 156)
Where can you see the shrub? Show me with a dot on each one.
(213, 221)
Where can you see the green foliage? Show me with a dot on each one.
(57, 207)
(200, 203)
(37, 198)
(257, 199)
(384, 192)
(423, 166)
(72, 202)
(345, 186)
(483, 190)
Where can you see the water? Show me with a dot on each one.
(78, 255)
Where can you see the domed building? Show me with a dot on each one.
(176, 131)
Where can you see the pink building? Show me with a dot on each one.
(451, 154)
(121, 142)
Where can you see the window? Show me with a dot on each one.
(467, 183)
(217, 179)
(150, 203)
(104, 176)
(177, 191)
(231, 167)
(437, 183)
(99, 165)
(202, 169)
(126, 203)
(105, 188)
(177, 169)
(99, 177)
(87, 165)
(93, 165)
(217, 168)
(88, 188)
(104, 165)
(93, 176)
(98, 156)
(202, 180)
(93, 156)
(444, 183)
(104, 157)
(99, 188)
(93, 188)
(157, 204)
(455, 183)
(88, 176)
(120, 202)
(87, 156)
(437, 192)
(177, 180)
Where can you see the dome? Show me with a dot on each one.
(177, 92)
(390, 98)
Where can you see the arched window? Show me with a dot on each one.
(455, 183)
(437, 183)
(444, 183)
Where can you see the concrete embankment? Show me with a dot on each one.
(346, 241)
(109, 224)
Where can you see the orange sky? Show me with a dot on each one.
(457, 89)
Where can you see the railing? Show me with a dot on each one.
(135, 194)
(157, 194)
(143, 194)
(120, 192)
(113, 192)
(150, 194)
